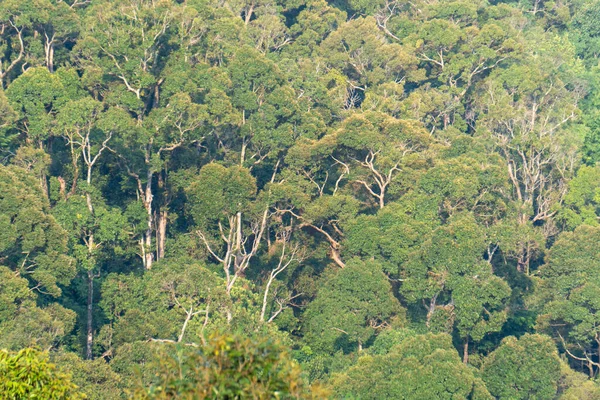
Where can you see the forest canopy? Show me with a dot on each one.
(346, 199)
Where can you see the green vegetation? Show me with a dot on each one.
(346, 199)
(28, 375)
(227, 367)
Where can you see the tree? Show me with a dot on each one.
(458, 289)
(95, 225)
(580, 204)
(23, 323)
(287, 257)
(373, 158)
(393, 234)
(536, 153)
(575, 385)
(360, 55)
(527, 112)
(39, 28)
(463, 178)
(90, 229)
(32, 243)
(94, 378)
(585, 31)
(36, 96)
(313, 24)
(524, 368)
(352, 305)
(78, 121)
(178, 301)
(220, 199)
(420, 367)
(457, 45)
(310, 192)
(125, 40)
(128, 43)
(28, 374)
(229, 367)
(565, 295)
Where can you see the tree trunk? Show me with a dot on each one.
(238, 236)
(50, 57)
(161, 234)
(63, 187)
(148, 254)
(88, 196)
(335, 256)
(431, 309)
(49, 50)
(90, 316)
(265, 298)
(248, 15)
(466, 351)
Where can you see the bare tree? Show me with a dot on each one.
(6, 66)
(79, 139)
(240, 245)
(286, 258)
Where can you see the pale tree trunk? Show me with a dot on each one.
(146, 196)
(162, 217)
(148, 254)
(382, 179)
(249, 12)
(90, 316)
(591, 364)
(466, 351)
(431, 309)
(266, 296)
(334, 245)
(4, 72)
(238, 253)
(88, 196)
(281, 266)
(335, 256)
(90, 277)
(161, 234)
(90, 160)
(49, 50)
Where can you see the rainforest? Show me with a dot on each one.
(300, 199)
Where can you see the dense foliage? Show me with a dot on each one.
(28, 375)
(227, 367)
(301, 198)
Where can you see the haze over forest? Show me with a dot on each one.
(296, 199)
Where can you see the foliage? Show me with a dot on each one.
(524, 368)
(228, 367)
(28, 374)
(422, 366)
(94, 378)
(374, 186)
(350, 307)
